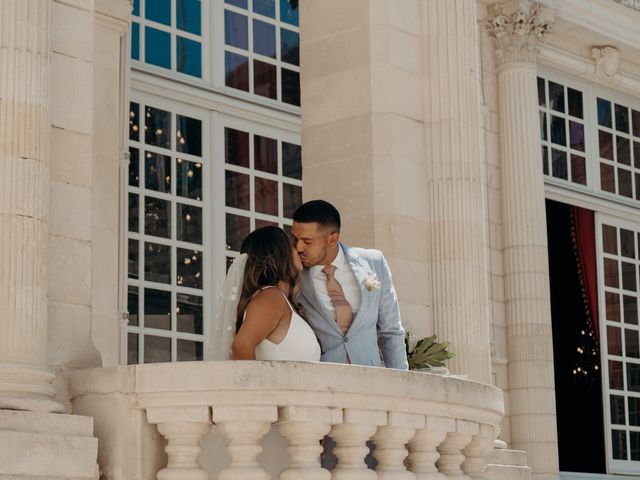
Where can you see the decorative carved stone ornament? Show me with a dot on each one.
(606, 60)
(518, 34)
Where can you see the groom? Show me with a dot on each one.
(347, 293)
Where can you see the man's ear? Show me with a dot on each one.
(333, 240)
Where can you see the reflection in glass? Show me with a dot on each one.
(265, 7)
(576, 135)
(188, 57)
(607, 178)
(619, 444)
(617, 409)
(615, 375)
(614, 341)
(134, 167)
(559, 164)
(556, 97)
(157, 309)
(135, 41)
(631, 347)
(189, 179)
(611, 272)
(288, 13)
(266, 196)
(134, 121)
(609, 239)
(157, 217)
(633, 377)
(622, 118)
(635, 120)
(237, 190)
(575, 102)
(237, 3)
(578, 170)
(634, 445)
(157, 127)
(157, 173)
(265, 155)
(605, 141)
(291, 199)
(157, 262)
(189, 313)
(636, 154)
(188, 16)
(236, 147)
(237, 228)
(630, 310)
(290, 46)
(157, 349)
(132, 305)
(624, 183)
(236, 71)
(158, 11)
(612, 304)
(157, 50)
(265, 79)
(189, 268)
(290, 87)
(264, 38)
(543, 125)
(634, 412)
(134, 216)
(188, 351)
(189, 135)
(545, 160)
(558, 131)
(265, 223)
(136, 8)
(623, 149)
(627, 243)
(235, 30)
(134, 258)
(132, 349)
(188, 223)
(604, 113)
(541, 92)
(291, 160)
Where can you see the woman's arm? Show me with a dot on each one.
(264, 313)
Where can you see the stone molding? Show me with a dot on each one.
(633, 4)
(607, 59)
(517, 34)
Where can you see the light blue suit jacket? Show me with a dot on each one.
(375, 330)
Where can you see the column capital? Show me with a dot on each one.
(517, 29)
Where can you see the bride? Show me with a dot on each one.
(267, 319)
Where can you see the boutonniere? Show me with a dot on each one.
(371, 282)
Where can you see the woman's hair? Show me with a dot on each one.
(270, 261)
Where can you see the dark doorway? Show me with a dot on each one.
(575, 348)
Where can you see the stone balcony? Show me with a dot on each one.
(423, 426)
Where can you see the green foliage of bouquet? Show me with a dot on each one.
(427, 353)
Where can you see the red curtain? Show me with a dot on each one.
(584, 245)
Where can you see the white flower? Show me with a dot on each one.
(371, 282)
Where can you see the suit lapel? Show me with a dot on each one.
(359, 270)
(310, 294)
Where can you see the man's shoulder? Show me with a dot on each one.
(371, 254)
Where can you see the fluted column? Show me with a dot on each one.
(25, 382)
(455, 184)
(526, 273)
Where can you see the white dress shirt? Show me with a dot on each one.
(345, 278)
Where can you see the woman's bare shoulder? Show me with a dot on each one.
(268, 298)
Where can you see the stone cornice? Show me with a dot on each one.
(517, 34)
(634, 4)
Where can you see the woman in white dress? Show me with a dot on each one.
(269, 323)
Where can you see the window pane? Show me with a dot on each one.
(265, 154)
(157, 173)
(189, 135)
(189, 179)
(236, 71)
(134, 216)
(189, 223)
(291, 199)
(134, 167)
(264, 38)
(636, 154)
(290, 46)
(157, 47)
(236, 147)
(633, 377)
(237, 228)
(627, 243)
(556, 97)
(136, 8)
(619, 444)
(541, 93)
(135, 41)
(132, 349)
(614, 341)
(558, 131)
(189, 268)
(578, 170)
(235, 30)
(635, 120)
(575, 102)
(157, 127)
(290, 87)
(266, 192)
(611, 273)
(189, 351)
(606, 144)
(134, 121)
(576, 135)
(189, 57)
(615, 375)
(288, 13)
(265, 223)
(157, 349)
(609, 239)
(237, 3)
(291, 160)
(623, 149)
(634, 445)
(132, 305)
(617, 409)
(622, 118)
(157, 217)
(631, 347)
(157, 309)
(189, 313)
(134, 257)
(612, 301)
(265, 79)
(188, 14)
(545, 160)
(634, 412)
(158, 11)
(265, 7)
(559, 164)
(630, 310)
(543, 125)
(237, 190)
(624, 183)
(604, 113)
(157, 262)
(607, 178)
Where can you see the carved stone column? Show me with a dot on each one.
(455, 184)
(25, 381)
(526, 273)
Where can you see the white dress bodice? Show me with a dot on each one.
(299, 344)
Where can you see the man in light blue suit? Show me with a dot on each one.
(347, 293)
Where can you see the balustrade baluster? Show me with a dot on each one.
(476, 453)
(423, 447)
(391, 440)
(451, 456)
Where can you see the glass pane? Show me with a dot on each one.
(265, 223)
(132, 349)
(237, 190)
(622, 118)
(604, 113)
(617, 409)
(157, 309)
(236, 71)
(291, 199)
(189, 223)
(631, 347)
(614, 341)
(559, 164)
(134, 216)
(291, 160)
(634, 412)
(635, 120)
(637, 178)
(136, 8)
(134, 121)
(265, 7)
(157, 262)
(158, 11)
(634, 445)
(578, 170)
(189, 313)
(265, 154)
(630, 309)
(157, 217)
(157, 173)
(188, 16)
(157, 127)
(615, 375)
(611, 272)
(133, 305)
(636, 154)
(235, 30)
(633, 377)
(189, 351)
(188, 57)
(627, 247)
(236, 147)
(265, 79)
(157, 47)
(612, 304)
(541, 93)
(575, 102)
(558, 131)
(556, 97)
(609, 239)
(543, 125)
(290, 46)
(623, 149)
(189, 179)
(134, 257)
(290, 87)
(289, 13)
(625, 187)
(189, 268)
(237, 228)
(264, 38)
(134, 167)
(189, 135)
(606, 144)
(545, 160)
(607, 178)
(619, 444)
(576, 135)
(266, 192)
(135, 41)
(237, 3)
(157, 349)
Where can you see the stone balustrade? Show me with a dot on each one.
(423, 426)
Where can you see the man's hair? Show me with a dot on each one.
(318, 211)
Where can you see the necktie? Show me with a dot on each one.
(343, 309)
